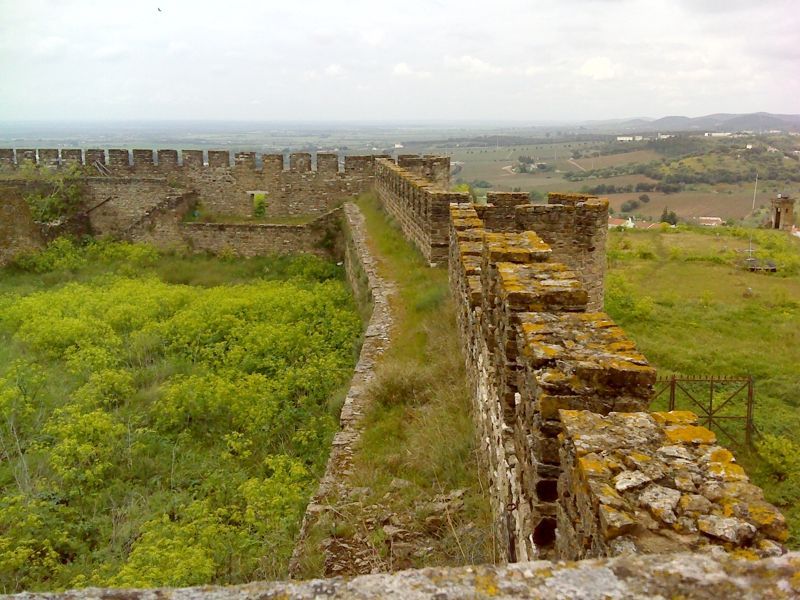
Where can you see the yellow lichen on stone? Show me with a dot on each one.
(675, 417)
(727, 471)
(745, 554)
(721, 455)
(592, 465)
(768, 518)
(486, 584)
(689, 434)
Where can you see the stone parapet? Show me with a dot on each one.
(639, 483)
(567, 481)
(696, 576)
(418, 204)
(224, 184)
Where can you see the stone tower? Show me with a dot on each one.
(782, 212)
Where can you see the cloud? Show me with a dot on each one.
(49, 46)
(111, 52)
(334, 70)
(599, 68)
(373, 37)
(404, 70)
(470, 64)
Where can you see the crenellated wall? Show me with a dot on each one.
(565, 481)
(225, 184)
(577, 467)
(638, 483)
(576, 227)
(418, 204)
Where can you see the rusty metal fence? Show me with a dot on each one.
(724, 404)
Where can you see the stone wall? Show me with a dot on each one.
(540, 365)
(638, 483)
(114, 204)
(696, 576)
(139, 179)
(418, 205)
(320, 237)
(18, 232)
(576, 227)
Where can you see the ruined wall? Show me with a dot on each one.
(536, 358)
(18, 232)
(782, 213)
(418, 205)
(116, 203)
(140, 179)
(320, 237)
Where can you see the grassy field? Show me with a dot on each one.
(691, 311)
(612, 160)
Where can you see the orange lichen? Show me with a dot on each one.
(675, 417)
(592, 465)
(689, 434)
(721, 455)
(727, 471)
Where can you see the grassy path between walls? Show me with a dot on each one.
(421, 497)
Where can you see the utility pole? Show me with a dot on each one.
(750, 244)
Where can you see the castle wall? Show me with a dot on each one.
(419, 207)
(18, 232)
(224, 184)
(544, 370)
(576, 228)
(319, 237)
(697, 576)
(115, 203)
(638, 483)
(373, 293)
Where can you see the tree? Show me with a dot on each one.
(669, 216)
(629, 205)
(644, 198)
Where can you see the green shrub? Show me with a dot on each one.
(161, 433)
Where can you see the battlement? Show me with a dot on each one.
(574, 226)
(225, 183)
(418, 203)
(566, 480)
(147, 161)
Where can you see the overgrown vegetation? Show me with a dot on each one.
(163, 419)
(419, 429)
(681, 296)
(55, 194)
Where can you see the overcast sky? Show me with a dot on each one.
(529, 60)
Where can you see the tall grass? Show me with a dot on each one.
(701, 317)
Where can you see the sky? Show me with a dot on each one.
(351, 60)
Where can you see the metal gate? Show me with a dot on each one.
(723, 404)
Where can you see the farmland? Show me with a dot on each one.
(699, 176)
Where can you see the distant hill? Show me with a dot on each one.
(758, 122)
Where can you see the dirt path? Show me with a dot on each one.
(575, 164)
